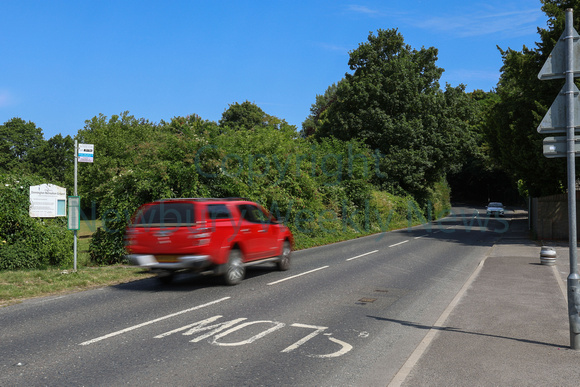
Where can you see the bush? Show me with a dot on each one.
(18, 256)
(25, 242)
(106, 248)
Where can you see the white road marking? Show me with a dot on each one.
(421, 236)
(362, 255)
(201, 326)
(345, 348)
(317, 330)
(297, 275)
(277, 325)
(152, 321)
(400, 243)
(297, 344)
(405, 370)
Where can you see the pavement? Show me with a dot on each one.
(507, 327)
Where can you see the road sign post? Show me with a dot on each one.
(558, 146)
(562, 117)
(84, 153)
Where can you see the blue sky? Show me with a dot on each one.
(64, 62)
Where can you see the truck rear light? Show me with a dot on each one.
(129, 238)
(200, 236)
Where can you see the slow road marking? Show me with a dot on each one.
(152, 321)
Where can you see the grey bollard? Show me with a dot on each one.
(548, 256)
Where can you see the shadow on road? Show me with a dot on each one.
(186, 282)
(458, 330)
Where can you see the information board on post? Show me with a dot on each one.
(47, 201)
(86, 153)
(74, 213)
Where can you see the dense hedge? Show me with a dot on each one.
(25, 242)
(323, 189)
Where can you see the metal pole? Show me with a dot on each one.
(573, 278)
(75, 231)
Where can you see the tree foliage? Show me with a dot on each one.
(247, 115)
(117, 142)
(54, 159)
(524, 100)
(17, 139)
(312, 123)
(393, 103)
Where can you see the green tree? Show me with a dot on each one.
(316, 117)
(117, 144)
(17, 140)
(524, 100)
(54, 159)
(394, 104)
(160, 162)
(247, 115)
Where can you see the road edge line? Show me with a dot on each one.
(560, 283)
(405, 370)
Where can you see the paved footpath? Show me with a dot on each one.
(509, 328)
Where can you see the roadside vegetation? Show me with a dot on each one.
(384, 148)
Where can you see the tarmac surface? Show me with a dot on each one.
(509, 327)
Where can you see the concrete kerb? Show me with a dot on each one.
(405, 370)
(515, 244)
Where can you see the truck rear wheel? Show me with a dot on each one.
(235, 270)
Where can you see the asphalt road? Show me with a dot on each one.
(344, 314)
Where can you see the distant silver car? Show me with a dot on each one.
(495, 208)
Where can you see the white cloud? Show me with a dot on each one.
(361, 9)
(484, 22)
(469, 21)
(6, 99)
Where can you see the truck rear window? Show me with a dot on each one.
(218, 211)
(166, 215)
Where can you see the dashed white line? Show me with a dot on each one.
(421, 236)
(152, 321)
(400, 243)
(362, 255)
(297, 275)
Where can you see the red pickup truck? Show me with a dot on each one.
(221, 236)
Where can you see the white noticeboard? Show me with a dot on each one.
(86, 153)
(47, 201)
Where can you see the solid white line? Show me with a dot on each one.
(297, 275)
(362, 255)
(400, 243)
(400, 377)
(152, 321)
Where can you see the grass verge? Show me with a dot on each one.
(16, 286)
